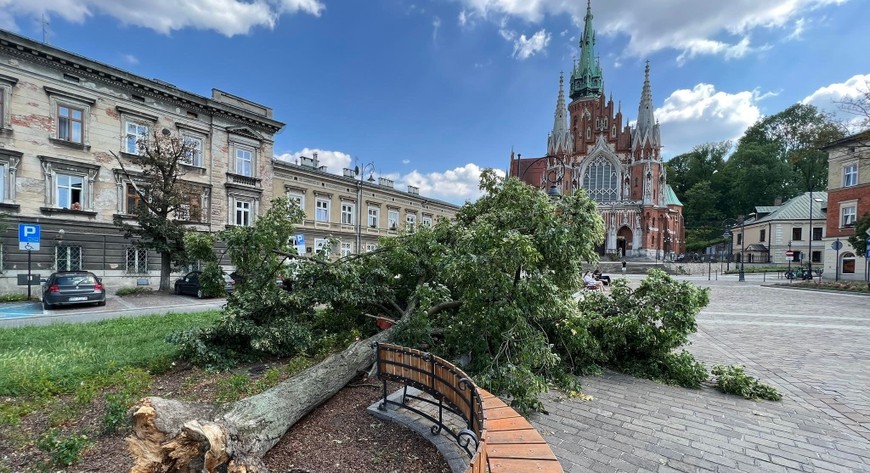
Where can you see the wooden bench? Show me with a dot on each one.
(496, 437)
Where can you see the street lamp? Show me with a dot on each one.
(554, 191)
(728, 224)
(742, 220)
(789, 255)
(810, 248)
(359, 173)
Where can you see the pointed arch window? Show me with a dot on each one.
(601, 180)
(588, 133)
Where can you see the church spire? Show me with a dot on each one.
(560, 140)
(646, 130)
(586, 80)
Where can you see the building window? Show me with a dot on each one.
(135, 133)
(68, 258)
(762, 235)
(797, 256)
(244, 162)
(371, 247)
(2, 107)
(190, 208)
(70, 124)
(320, 244)
(192, 151)
(137, 260)
(740, 239)
(848, 263)
(797, 234)
(347, 213)
(393, 219)
(321, 210)
(410, 221)
(600, 180)
(588, 133)
(297, 198)
(346, 249)
(133, 199)
(848, 216)
(68, 190)
(817, 233)
(374, 217)
(427, 221)
(850, 175)
(243, 213)
(817, 257)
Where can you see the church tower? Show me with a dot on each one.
(618, 166)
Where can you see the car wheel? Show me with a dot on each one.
(178, 289)
(101, 303)
(200, 294)
(47, 306)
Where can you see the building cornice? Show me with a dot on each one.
(78, 65)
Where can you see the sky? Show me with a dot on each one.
(431, 92)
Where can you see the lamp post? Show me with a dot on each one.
(728, 235)
(810, 247)
(358, 173)
(554, 191)
(790, 256)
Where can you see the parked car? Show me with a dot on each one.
(72, 288)
(189, 284)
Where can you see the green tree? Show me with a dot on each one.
(156, 174)
(859, 239)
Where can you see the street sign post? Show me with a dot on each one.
(836, 246)
(300, 244)
(789, 253)
(28, 240)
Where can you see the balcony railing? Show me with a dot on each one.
(243, 180)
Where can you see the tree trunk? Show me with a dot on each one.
(181, 437)
(165, 271)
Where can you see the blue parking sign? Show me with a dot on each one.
(28, 236)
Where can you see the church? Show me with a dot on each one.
(592, 147)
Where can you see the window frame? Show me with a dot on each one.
(243, 208)
(297, 197)
(70, 122)
(847, 211)
(346, 248)
(58, 185)
(373, 216)
(371, 247)
(53, 167)
(9, 161)
(392, 219)
(190, 208)
(250, 160)
(140, 136)
(324, 209)
(68, 249)
(410, 221)
(348, 213)
(140, 258)
(850, 175)
(198, 157)
(797, 234)
(319, 244)
(426, 221)
(817, 233)
(762, 234)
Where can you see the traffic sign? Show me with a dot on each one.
(789, 253)
(837, 245)
(28, 236)
(868, 245)
(300, 244)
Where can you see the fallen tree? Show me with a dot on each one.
(172, 436)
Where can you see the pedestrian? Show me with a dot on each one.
(623, 266)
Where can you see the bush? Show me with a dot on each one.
(64, 450)
(130, 291)
(734, 380)
(13, 297)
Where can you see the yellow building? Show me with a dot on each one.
(355, 208)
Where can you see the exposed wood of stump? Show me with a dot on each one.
(183, 437)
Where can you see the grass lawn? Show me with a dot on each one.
(53, 359)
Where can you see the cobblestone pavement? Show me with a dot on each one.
(812, 346)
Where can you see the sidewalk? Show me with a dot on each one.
(17, 314)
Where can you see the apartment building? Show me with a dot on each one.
(354, 207)
(848, 201)
(64, 118)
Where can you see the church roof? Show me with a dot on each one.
(671, 196)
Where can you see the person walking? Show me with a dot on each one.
(623, 266)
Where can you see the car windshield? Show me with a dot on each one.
(76, 280)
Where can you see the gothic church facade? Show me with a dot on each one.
(592, 147)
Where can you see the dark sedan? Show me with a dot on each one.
(72, 288)
(189, 284)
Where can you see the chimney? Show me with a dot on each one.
(315, 160)
(777, 201)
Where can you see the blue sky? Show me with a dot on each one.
(433, 91)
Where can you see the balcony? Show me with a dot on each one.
(243, 181)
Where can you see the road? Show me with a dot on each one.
(812, 346)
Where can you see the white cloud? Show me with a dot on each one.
(703, 114)
(131, 59)
(455, 185)
(828, 98)
(228, 17)
(334, 161)
(406, 161)
(525, 48)
(690, 27)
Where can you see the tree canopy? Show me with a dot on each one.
(493, 290)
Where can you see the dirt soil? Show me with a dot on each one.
(339, 436)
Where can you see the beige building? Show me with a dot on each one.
(61, 118)
(773, 230)
(354, 207)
